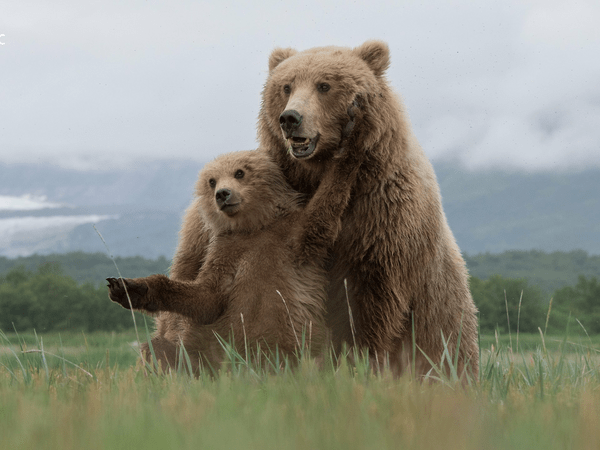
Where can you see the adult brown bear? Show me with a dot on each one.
(262, 284)
(395, 249)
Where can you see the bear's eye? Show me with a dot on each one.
(323, 87)
(239, 174)
(212, 182)
(287, 89)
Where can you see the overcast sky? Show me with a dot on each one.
(90, 84)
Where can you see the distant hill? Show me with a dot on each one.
(138, 209)
(493, 210)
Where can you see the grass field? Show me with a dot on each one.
(75, 391)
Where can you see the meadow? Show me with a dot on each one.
(75, 390)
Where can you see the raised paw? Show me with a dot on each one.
(137, 291)
(350, 146)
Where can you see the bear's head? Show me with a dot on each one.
(243, 191)
(308, 94)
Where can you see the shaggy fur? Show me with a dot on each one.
(262, 279)
(395, 248)
(403, 266)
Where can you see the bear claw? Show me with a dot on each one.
(123, 291)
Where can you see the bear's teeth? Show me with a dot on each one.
(297, 141)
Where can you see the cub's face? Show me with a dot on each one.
(307, 95)
(241, 191)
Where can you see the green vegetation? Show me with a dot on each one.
(89, 267)
(513, 304)
(539, 383)
(90, 351)
(548, 271)
(581, 301)
(526, 305)
(48, 298)
(547, 396)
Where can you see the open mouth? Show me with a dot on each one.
(230, 209)
(302, 147)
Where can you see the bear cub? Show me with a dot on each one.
(263, 283)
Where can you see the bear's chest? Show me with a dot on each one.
(252, 257)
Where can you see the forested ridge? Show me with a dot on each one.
(67, 291)
(90, 267)
(549, 271)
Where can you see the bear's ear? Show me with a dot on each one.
(376, 54)
(279, 55)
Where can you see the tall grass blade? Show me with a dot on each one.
(62, 351)
(414, 346)
(62, 359)
(290, 316)
(519, 320)
(548, 315)
(508, 320)
(154, 365)
(352, 329)
(124, 285)
(44, 362)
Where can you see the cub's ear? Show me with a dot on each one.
(376, 54)
(279, 55)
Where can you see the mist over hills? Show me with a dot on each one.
(138, 209)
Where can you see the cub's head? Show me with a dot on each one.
(243, 191)
(308, 94)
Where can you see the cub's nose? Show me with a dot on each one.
(222, 196)
(289, 121)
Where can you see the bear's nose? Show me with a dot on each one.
(222, 196)
(289, 121)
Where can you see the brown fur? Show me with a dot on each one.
(395, 248)
(262, 280)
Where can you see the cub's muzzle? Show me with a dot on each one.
(227, 200)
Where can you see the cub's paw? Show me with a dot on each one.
(137, 293)
(350, 145)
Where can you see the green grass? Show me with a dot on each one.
(546, 395)
(92, 350)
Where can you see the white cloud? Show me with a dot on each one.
(562, 25)
(25, 203)
(498, 82)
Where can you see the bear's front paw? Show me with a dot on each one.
(137, 293)
(350, 146)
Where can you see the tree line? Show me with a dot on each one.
(505, 303)
(90, 267)
(48, 299)
(549, 271)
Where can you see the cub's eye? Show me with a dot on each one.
(212, 182)
(239, 174)
(287, 89)
(323, 87)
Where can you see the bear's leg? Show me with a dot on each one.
(380, 317)
(385, 310)
(166, 353)
(454, 322)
